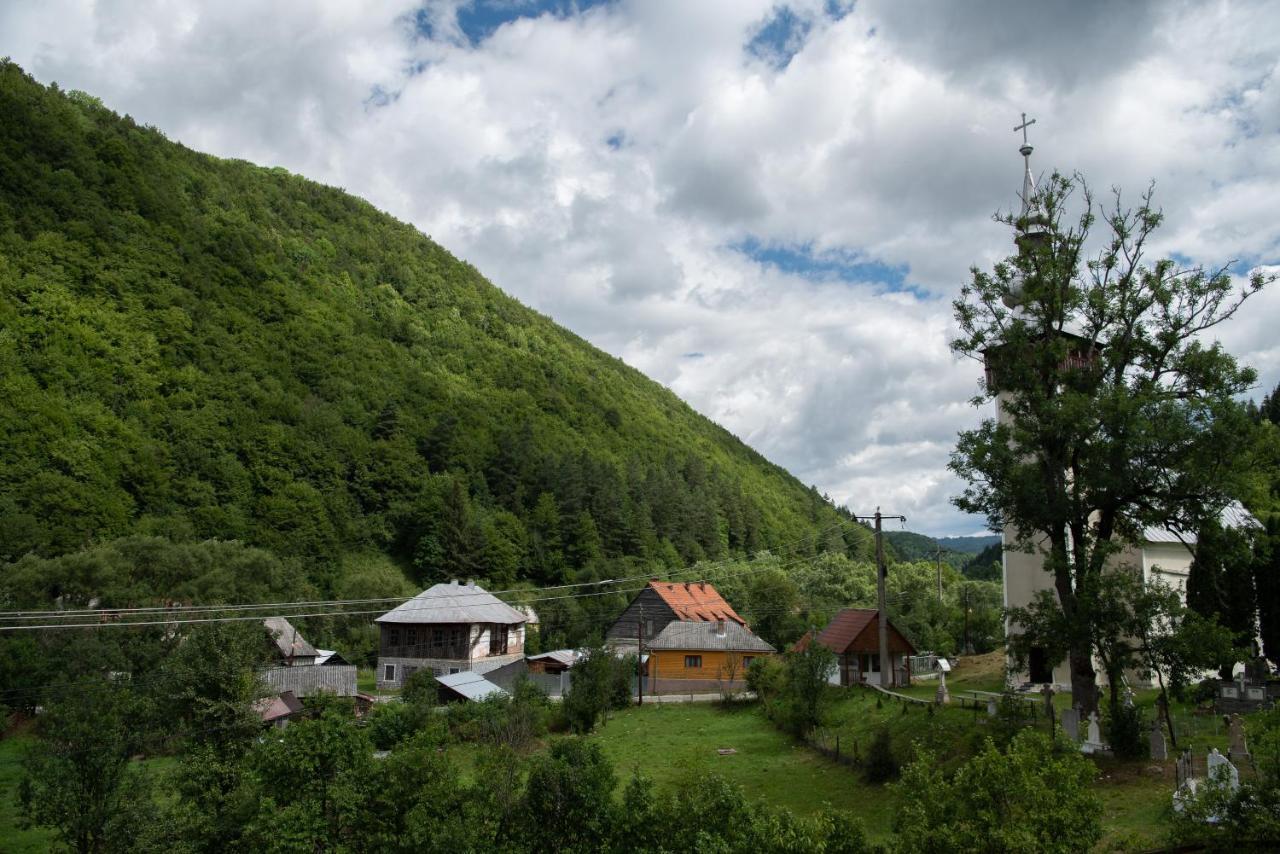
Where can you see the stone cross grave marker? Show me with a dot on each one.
(1093, 739)
(1159, 749)
(1238, 751)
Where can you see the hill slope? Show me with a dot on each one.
(199, 348)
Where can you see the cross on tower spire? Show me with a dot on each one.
(1028, 182)
(1023, 127)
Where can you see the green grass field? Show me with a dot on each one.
(12, 839)
(671, 743)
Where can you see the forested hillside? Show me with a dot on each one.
(194, 348)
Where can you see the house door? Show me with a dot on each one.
(1038, 665)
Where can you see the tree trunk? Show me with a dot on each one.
(1084, 680)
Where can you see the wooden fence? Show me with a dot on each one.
(307, 679)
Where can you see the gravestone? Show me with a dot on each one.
(1093, 738)
(1128, 697)
(991, 707)
(1071, 723)
(1159, 749)
(1238, 751)
(1216, 760)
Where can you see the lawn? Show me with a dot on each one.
(13, 840)
(670, 743)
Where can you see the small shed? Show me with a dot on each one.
(467, 685)
(278, 710)
(854, 636)
(555, 661)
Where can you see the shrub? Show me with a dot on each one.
(1031, 797)
(767, 677)
(1127, 732)
(881, 765)
(420, 688)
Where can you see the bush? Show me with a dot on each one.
(881, 765)
(420, 689)
(389, 724)
(1031, 797)
(1127, 732)
(766, 678)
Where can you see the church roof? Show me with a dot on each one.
(1233, 516)
(453, 603)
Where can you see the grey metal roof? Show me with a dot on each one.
(453, 603)
(287, 639)
(471, 685)
(567, 657)
(705, 636)
(1233, 516)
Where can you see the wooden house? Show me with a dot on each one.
(854, 636)
(292, 648)
(661, 603)
(701, 656)
(448, 628)
(301, 669)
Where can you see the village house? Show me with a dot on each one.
(302, 670)
(854, 636)
(663, 602)
(448, 628)
(701, 656)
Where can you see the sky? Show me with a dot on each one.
(767, 207)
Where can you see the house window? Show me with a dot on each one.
(497, 639)
(411, 637)
(693, 661)
(452, 670)
(389, 673)
(393, 637)
(746, 661)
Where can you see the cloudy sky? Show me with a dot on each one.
(766, 206)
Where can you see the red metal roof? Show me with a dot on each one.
(695, 601)
(846, 632)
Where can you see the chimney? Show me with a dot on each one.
(453, 581)
(703, 585)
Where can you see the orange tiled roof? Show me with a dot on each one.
(695, 601)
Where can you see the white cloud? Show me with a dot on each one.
(600, 166)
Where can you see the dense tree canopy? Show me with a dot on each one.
(198, 348)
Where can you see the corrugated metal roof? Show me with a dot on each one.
(453, 603)
(567, 657)
(695, 600)
(704, 636)
(846, 626)
(1233, 516)
(287, 639)
(471, 685)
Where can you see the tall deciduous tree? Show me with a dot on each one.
(1119, 411)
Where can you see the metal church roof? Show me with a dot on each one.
(453, 603)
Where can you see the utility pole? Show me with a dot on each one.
(882, 572)
(937, 556)
(640, 659)
(968, 648)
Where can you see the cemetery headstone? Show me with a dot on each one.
(1071, 723)
(1093, 738)
(1216, 760)
(1159, 749)
(1239, 750)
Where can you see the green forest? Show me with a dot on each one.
(200, 349)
